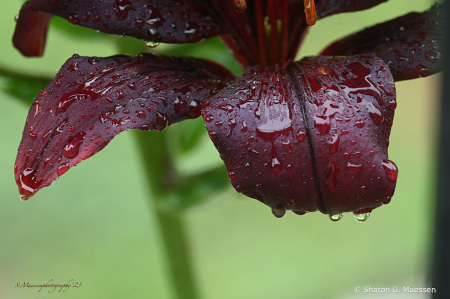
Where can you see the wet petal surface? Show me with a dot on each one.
(180, 21)
(312, 136)
(93, 99)
(411, 45)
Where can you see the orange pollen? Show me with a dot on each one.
(240, 5)
(310, 11)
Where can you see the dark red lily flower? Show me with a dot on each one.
(305, 136)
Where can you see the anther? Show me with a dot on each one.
(240, 5)
(310, 11)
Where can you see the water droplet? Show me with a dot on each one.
(359, 123)
(141, 114)
(391, 170)
(336, 217)
(16, 18)
(334, 143)
(361, 217)
(121, 7)
(278, 211)
(161, 121)
(70, 150)
(62, 168)
(300, 213)
(73, 19)
(231, 175)
(354, 167)
(432, 56)
(253, 153)
(301, 136)
(276, 166)
(151, 44)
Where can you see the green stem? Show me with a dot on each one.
(161, 177)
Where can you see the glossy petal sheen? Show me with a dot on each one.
(91, 100)
(411, 45)
(312, 136)
(31, 32)
(179, 21)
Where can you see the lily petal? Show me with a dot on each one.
(31, 32)
(183, 21)
(412, 45)
(312, 136)
(93, 99)
(326, 7)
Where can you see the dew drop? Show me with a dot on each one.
(276, 166)
(62, 168)
(336, 217)
(432, 56)
(361, 217)
(391, 170)
(161, 121)
(300, 213)
(71, 148)
(359, 123)
(278, 211)
(301, 136)
(151, 44)
(73, 19)
(141, 114)
(334, 143)
(354, 167)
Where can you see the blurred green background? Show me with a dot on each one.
(95, 225)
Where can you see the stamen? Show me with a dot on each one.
(240, 5)
(310, 11)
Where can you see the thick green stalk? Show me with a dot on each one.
(161, 177)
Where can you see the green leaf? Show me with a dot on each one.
(195, 189)
(22, 86)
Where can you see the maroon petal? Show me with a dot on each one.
(326, 7)
(31, 32)
(411, 45)
(312, 136)
(182, 21)
(91, 100)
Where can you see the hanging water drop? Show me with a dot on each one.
(279, 211)
(361, 217)
(336, 217)
(151, 44)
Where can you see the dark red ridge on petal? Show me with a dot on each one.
(93, 99)
(411, 45)
(312, 136)
(182, 21)
(31, 32)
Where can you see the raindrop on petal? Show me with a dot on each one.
(279, 211)
(336, 217)
(361, 217)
